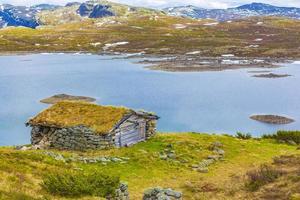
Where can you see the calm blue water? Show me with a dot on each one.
(214, 102)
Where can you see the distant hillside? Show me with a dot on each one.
(46, 14)
(244, 11)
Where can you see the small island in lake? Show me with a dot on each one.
(271, 75)
(259, 71)
(65, 97)
(272, 119)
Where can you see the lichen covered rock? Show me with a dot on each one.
(158, 193)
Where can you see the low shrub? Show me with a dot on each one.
(262, 176)
(285, 136)
(75, 184)
(243, 136)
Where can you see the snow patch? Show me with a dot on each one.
(258, 61)
(253, 46)
(107, 46)
(179, 26)
(258, 40)
(211, 24)
(95, 44)
(228, 55)
(193, 53)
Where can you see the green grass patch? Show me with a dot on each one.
(285, 136)
(243, 136)
(78, 183)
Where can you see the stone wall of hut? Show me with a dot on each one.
(75, 138)
(150, 128)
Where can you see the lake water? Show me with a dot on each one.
(213, 102)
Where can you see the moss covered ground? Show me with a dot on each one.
(21, 172)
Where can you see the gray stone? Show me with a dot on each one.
(195, 166)
(158, 193)
(220, 152)
(116, 159)
(171, 155)
(291, 142)
(163, 157)
(121, 192)
(213, 157)
(22, 148)
(172, 193)
(216, 145)
(203, 170)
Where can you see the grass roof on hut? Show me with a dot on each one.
(100, 119)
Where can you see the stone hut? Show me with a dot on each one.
(81, 126)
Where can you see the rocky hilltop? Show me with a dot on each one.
(241, 12)
(21, 15)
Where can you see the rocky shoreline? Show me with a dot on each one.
(187, 62)
(201, 64)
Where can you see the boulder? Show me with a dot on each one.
(121, 193)
(158, 193)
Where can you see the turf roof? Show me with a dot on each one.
(100, 119)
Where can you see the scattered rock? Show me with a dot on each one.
(171, 155)
(195, 166)
(101, 159)
(218, 155)
(221, 152)
(215, 145)
(213, 157)
(23, 148)
(163, 157)
(168, 153)
(158, 193)
(56, 156)
(291, 142)
(203, 170)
